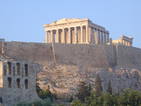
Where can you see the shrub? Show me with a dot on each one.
(44, 94)
(126, 98)
(84, 91)
(45, 102)
(77, 103)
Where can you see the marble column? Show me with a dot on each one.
(99, 36)
(72, 35)
(69, 35)
(94, 32)
(90, 35)
(84, 34)
(107, 37)
(81, 29)
(96, 37)
(57, 36)
(46, 37)
(60, 35)
(75, 35)
(51, 36)
(93, 35)
(79, 34)
(104, 37)
(87, 34)
(63, 35)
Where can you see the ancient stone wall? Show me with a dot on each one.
(78, 54)
(98, 56)
(19, 82)
(128, 57)
(72, 59)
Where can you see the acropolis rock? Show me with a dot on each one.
(74, 50)
(63, 70)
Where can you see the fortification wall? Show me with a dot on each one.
(13, 92)
(97, 56)
(128, 57)
(78, 63)
(81, 55)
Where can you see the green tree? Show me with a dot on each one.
(109, 89)
(92, 99)
(44, 94)
(98, 86)
(108, 99)
(130, 97)
(77, 103)
(84, 91)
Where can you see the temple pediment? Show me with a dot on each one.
(68, 20)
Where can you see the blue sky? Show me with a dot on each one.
(22, 20)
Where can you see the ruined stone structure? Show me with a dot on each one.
(75, 31)
(61, 72)
(77, 63)
(123, 40)
(17, 81)
(80, 31)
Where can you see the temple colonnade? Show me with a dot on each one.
(77, 35)
(70, 35)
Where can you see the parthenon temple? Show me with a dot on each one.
(75, 31)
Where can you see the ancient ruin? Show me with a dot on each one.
(74, 50)
(80, 31)
(75, 31)
(17, 81)
(123, 40)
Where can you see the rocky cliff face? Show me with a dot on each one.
(119, 65)
(63, 80)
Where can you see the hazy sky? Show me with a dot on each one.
(22, 20)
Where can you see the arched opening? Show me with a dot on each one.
(1, 101)
(18, 68)
(26, 84)
(9, 67)
(13, 70)
(18, 83)
(9, 82)
(5, 69)
(26, 69)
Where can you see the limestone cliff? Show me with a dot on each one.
(63, 80)
(63, 67)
